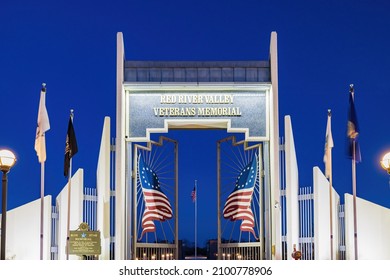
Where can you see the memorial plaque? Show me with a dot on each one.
(84, 243)
(245, 110)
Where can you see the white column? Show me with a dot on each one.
(292, 185)
(276, 230)
(120, 155)
(103, 190)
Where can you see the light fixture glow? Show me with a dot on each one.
(7, 160)
(385, 162)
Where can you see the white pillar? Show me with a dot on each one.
(103, 190)
(292, 185)
(276, 230)
(120, 154)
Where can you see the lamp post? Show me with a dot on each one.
(7, 160)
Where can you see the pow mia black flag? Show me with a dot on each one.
(70, 146)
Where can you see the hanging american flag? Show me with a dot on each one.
(193, 195)
(157, 206)
(238, 203)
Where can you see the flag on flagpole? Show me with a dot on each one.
(193, 195)
(70, 146)
(157, 206)
(42, 127)
(328, 146)
(353, 129)
(238, 203)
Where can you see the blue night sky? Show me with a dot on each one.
(323, 46)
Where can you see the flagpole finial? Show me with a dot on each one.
(329, 112)
(44, 85)
(351, 88)
(71, 113)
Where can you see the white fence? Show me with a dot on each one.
(89, 216)
(307, 220)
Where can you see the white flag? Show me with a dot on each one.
(328, 147)
(43, 126)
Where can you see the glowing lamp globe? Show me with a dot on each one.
(385, 162)
(7, 160)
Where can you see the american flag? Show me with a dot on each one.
(157, 206)
(193, 195)
(238, 203)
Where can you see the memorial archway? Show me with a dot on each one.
(158, 96)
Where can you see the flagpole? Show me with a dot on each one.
(354, 198)
(69, 193)
(68, 218)
(196, 221)
(42, 199)
(329, 151)
(42, 206)
(353, 132)
(40, 147)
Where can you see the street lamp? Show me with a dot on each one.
(385, 162)
(7, 160)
